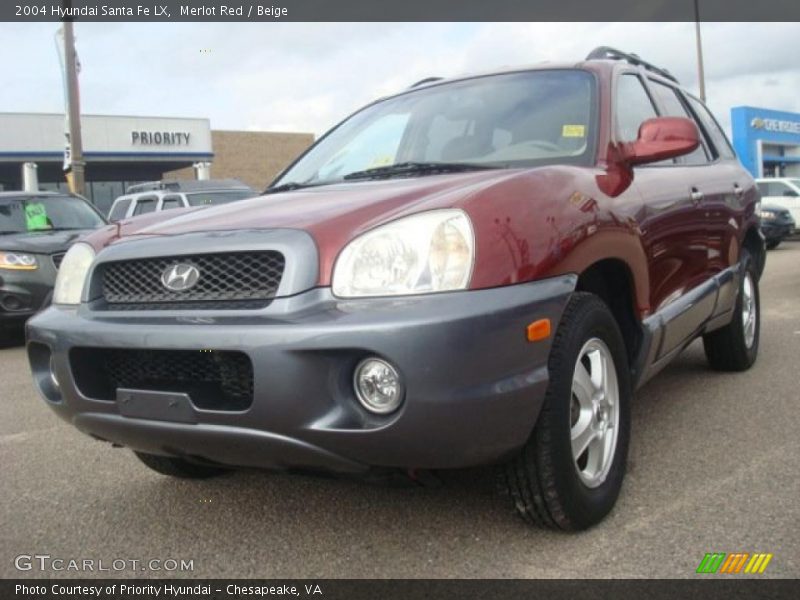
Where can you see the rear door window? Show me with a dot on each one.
(718, 138)
(145, 205)
(171, 202)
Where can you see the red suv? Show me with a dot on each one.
(476, 270)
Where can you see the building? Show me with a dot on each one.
(767, 141)
(120, 151)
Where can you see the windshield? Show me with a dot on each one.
(510, 120)
(207, 198)
(20, 214)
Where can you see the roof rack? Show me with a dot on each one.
(426, 81)
(186, 185)
(608, 53)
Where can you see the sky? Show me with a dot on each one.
(306, 77)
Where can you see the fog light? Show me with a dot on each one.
(378, 386)
(11, 303)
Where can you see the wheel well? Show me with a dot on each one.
(755, 246)
(611, 280)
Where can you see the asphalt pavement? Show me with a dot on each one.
(714, 467)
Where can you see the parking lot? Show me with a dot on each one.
(713, 468)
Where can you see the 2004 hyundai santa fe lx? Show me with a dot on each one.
(476, 270)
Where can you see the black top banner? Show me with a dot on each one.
(395, 10)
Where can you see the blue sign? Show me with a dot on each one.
(763, 136)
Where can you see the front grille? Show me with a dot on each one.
(235, 280)
(213, 380)
(57, 258)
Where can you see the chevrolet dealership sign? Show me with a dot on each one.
(776, 125)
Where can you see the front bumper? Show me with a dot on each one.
(775, 231)
(474, 384)
(24, 293)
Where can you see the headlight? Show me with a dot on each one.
(72, 274)
(767, 215)
(425, 253)
(17, 261)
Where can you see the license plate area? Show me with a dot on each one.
(156, 406)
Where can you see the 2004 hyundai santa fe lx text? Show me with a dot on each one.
(476, 270)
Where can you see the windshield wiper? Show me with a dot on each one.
(293, 185)
(416, 168)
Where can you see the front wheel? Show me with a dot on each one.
(735, 346)
(569, 474)
(771, 245)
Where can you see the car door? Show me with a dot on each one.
(728, 189)
(671, 221)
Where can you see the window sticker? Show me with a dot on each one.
(573, 131)
(381, 161)
(36, 216)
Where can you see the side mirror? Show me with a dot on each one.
(662, 138)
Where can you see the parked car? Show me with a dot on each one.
(473, 271)
(155, 196)
(783, 192)
(776, 223)
(36, 229)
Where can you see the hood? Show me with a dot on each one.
(348, 207)
(335, 214)
(41, 242)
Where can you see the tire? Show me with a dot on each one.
(773, 244)
(735, 346)
(548, 485)
(178, 467)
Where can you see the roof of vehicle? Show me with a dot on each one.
(187, 185)
(17, 193)
(601, 58)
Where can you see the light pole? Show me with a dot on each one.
(700, 71)
(78, 182)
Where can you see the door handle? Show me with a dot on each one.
(696, 195)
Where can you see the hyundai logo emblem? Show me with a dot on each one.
(180, 277)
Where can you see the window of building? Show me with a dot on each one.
(103, 194)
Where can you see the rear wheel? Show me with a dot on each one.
(178, 467)
(570, 472)
(735, 346)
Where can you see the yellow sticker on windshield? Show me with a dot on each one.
(574, 131)
(382, 161)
